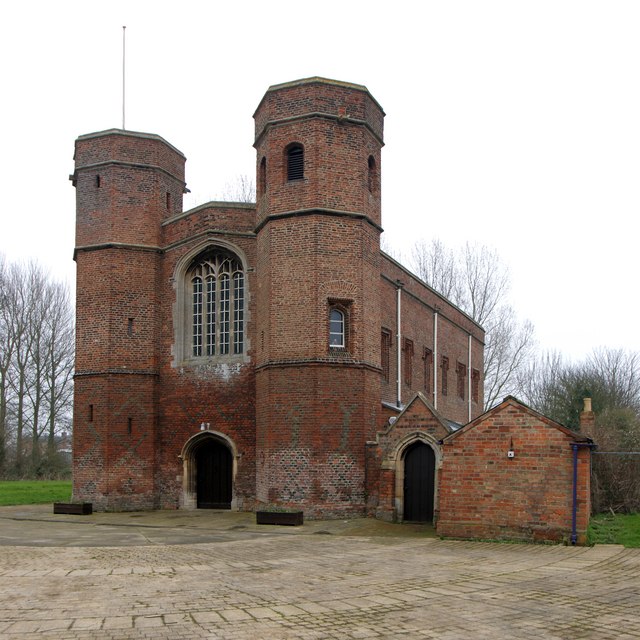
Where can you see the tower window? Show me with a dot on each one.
(336, 329)
(216, 305)
(262, 177)
(295, 162)
(372, 175)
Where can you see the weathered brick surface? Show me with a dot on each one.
(419, 305)
(307, 425)
(485, 494)
(318, 245)
(418, 421)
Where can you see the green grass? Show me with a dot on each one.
(606, 528)
(34, 491)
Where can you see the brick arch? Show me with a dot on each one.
(395, 460)
(187, 455)
(338, 289)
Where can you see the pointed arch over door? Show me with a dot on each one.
(210, 465)
(419, 482)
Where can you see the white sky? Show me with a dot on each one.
(514, 124)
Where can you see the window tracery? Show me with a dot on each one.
(217, 291)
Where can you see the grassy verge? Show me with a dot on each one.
(606, 528)
(34, 491)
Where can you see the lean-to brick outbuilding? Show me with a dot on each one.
(513, 473)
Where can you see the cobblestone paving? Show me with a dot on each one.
(320, 586)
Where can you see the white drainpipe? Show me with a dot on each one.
(398, 345)
(435, 359)
(469, 379)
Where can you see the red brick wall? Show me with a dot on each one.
(484, 494)
(297, 413)
(312, 454)
(387, 451)
(318, 244)
(121, 184)
(219, 391)
(418, 306)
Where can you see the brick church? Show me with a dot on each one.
(241, 356)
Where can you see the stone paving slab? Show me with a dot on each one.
(279, 585)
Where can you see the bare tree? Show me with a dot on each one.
(476, 280)
(610, 377)
(439, 268)
(58, 378)
(6, 358)
(242, 189)
(36, 364)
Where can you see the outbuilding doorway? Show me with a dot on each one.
(419, 476)
(214, 470)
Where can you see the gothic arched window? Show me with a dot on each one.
(216, 290)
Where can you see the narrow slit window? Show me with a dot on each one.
(475, 385)
(97, 182)
(461, 372)
(295, 163)
(372, 175)
(129, 425)
(408, 362)
(90, 413)
(385, 353)
(444, 365)
(262, 181)
(427, 357)
(130, 327)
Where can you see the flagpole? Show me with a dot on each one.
(123, 74)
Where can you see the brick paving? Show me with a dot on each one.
(285, 584)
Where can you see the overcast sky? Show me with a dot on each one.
(511, 124)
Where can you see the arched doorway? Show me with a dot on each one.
(214, 471)
(419, 476)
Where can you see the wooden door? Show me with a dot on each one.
(214, 470)
(419, 475)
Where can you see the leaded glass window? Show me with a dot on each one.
(217, 309)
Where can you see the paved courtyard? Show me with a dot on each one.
(177, 575)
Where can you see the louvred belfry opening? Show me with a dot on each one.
(295, 163)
